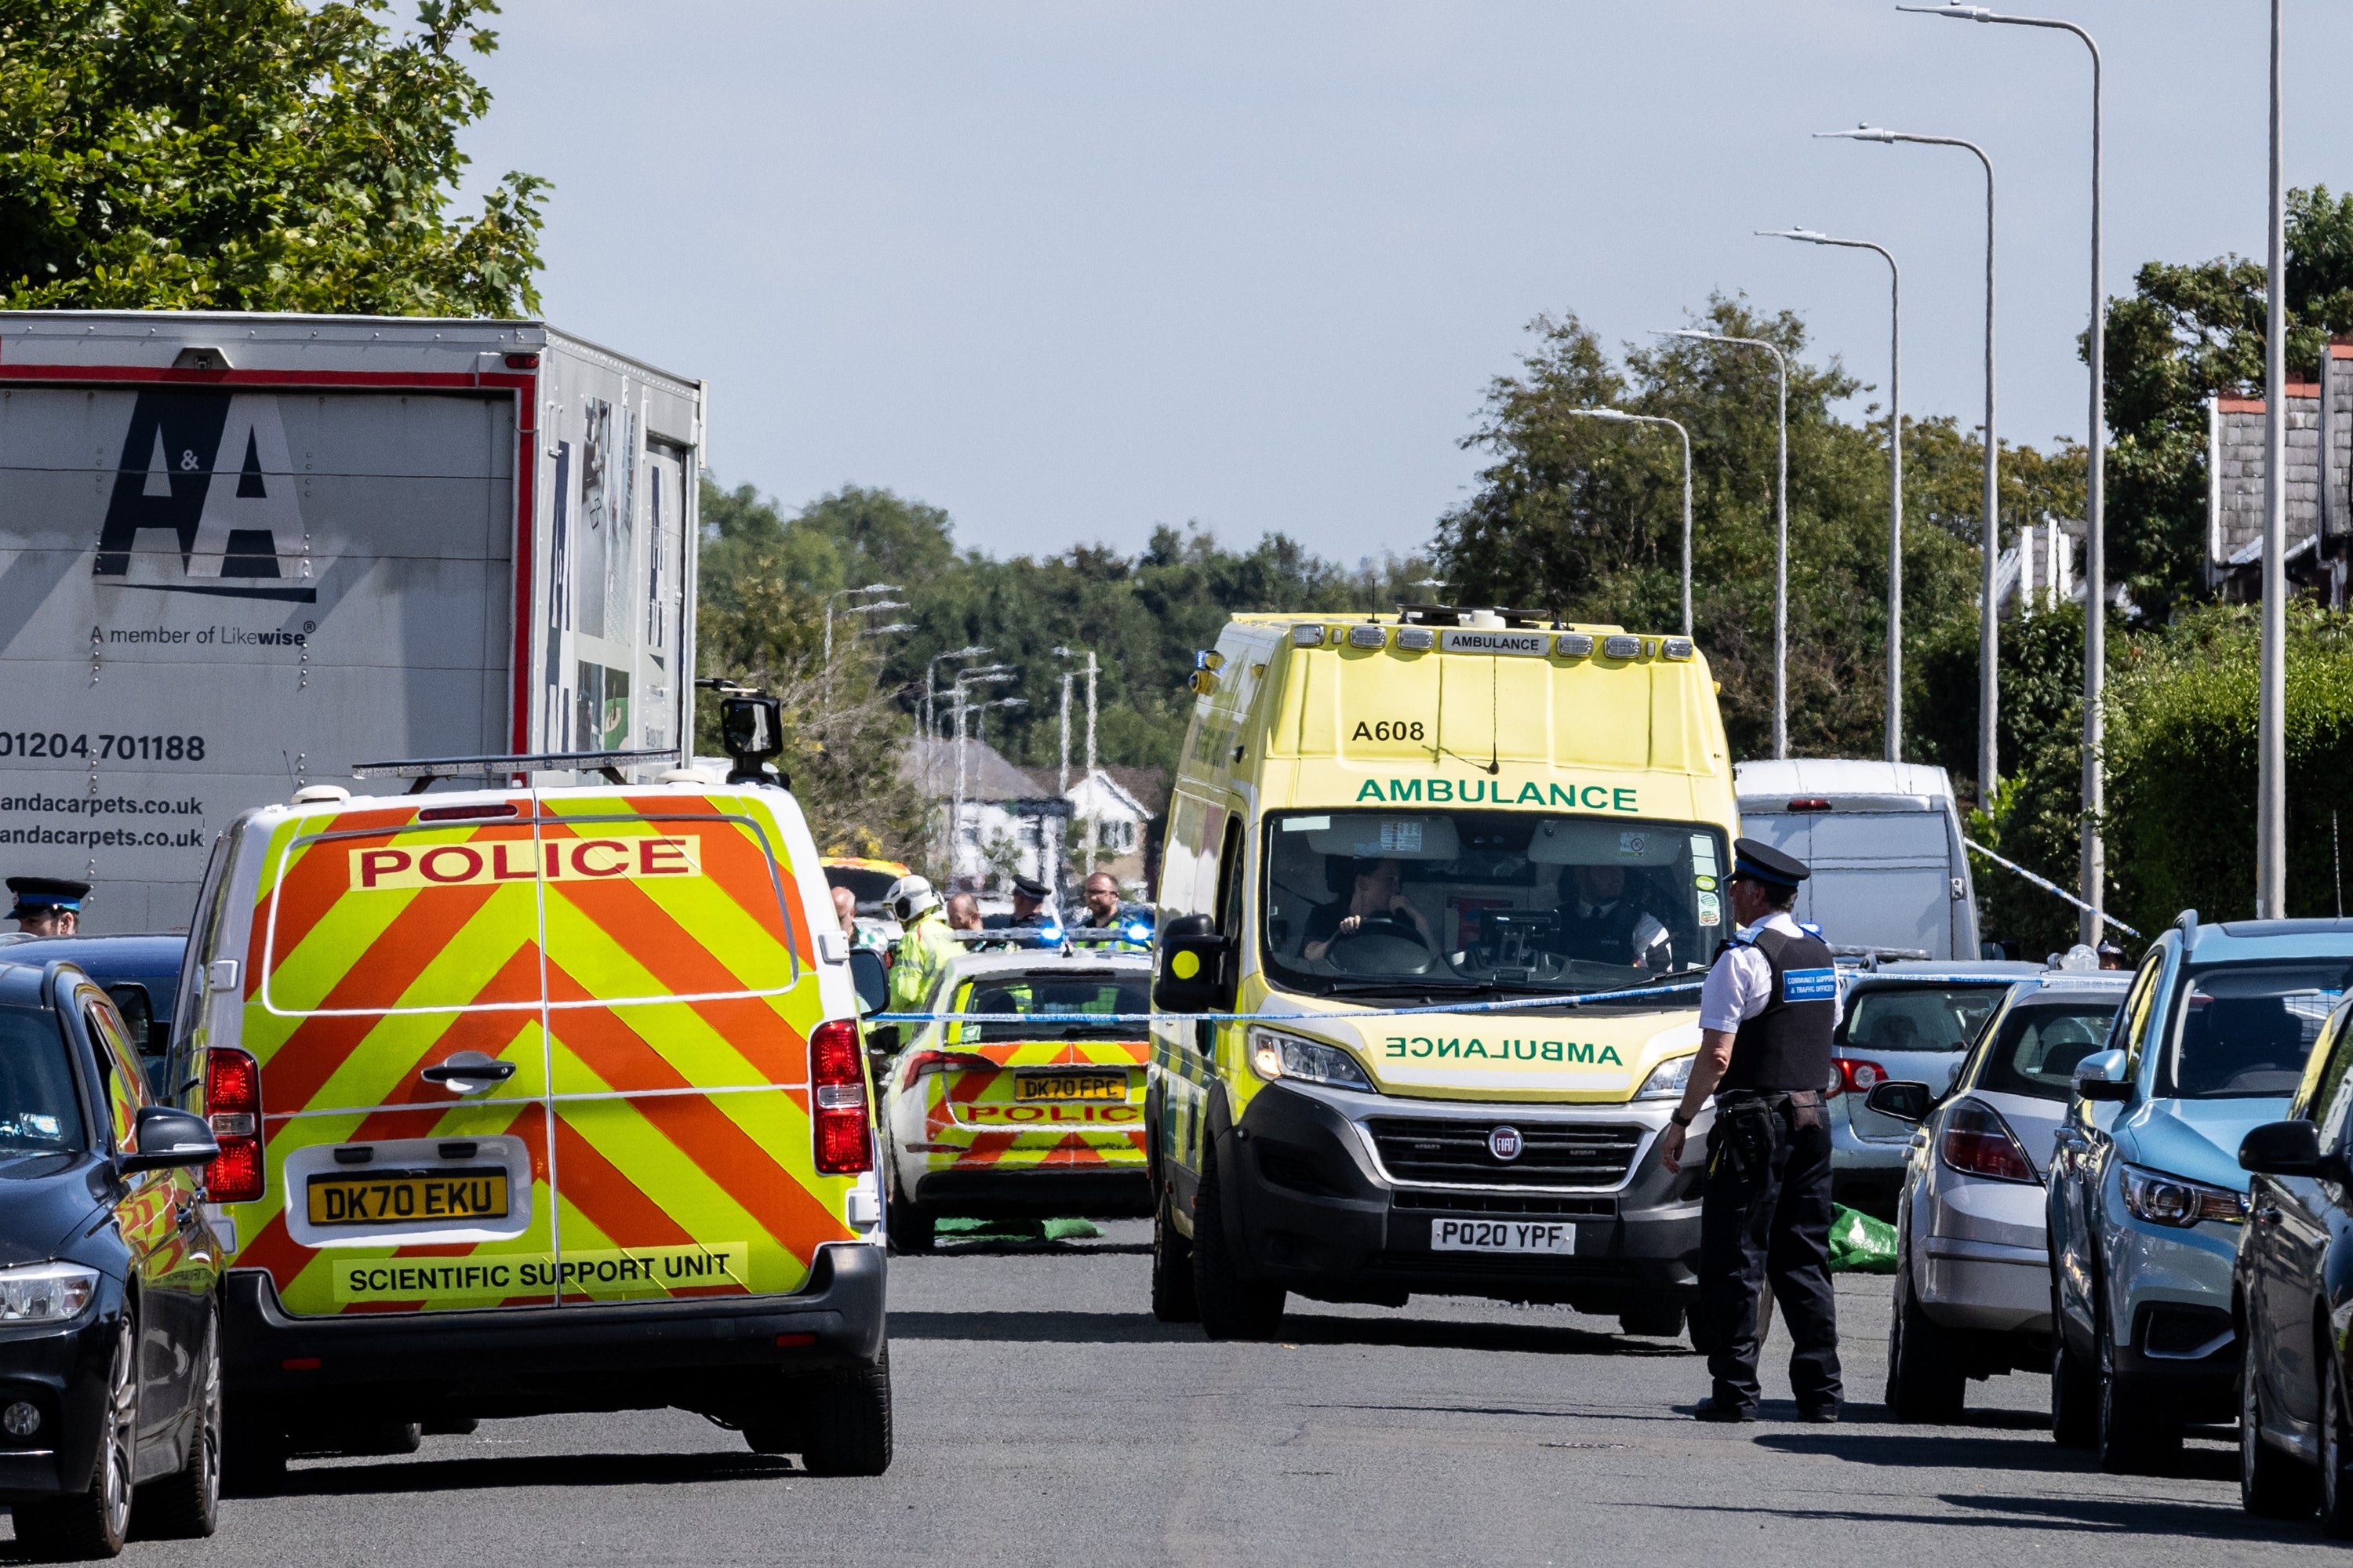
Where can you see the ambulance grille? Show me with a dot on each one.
(1580, 1154)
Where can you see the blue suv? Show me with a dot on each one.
(2147, 1198)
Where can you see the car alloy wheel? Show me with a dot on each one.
(2336, 1449)
(119, 1455)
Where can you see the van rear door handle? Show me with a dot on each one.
(468, 1072)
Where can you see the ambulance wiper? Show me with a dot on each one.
(1406, 985)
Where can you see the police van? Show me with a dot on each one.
(536, 1098)
(1424, 849)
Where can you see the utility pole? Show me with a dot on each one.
(2271, 719)
(1062, 784)
(1091, 755)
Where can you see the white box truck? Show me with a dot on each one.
(242, 553)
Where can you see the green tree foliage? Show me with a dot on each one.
(2181, 791)
(2186, 333)
(253, 155)
(1585, 517)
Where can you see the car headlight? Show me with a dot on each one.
(2176, 1200)
(1274, 1055)
(45, 1292)
(1668, 1079)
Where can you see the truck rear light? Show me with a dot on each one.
(1978, 1143)
(1809, 803)
(843, 1134)
(232, 1104)
(466, 813)
(1848, 1075)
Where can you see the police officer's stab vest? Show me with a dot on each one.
(1787, 1046)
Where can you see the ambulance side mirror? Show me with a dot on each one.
(868, 976)
(1193, 974)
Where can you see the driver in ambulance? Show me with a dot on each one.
(1376, 892)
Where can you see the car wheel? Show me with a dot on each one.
(849, 1431)
(2336, 1449)
(1652, 1320)
(1232, 1307)
(910, 1228)
(185, 1505)
(1173, 1300)
(2271, 1484)
(254, 1450)
(2074, 1387)
(2131, 1439)
(1927, 1381)
(94, 1521)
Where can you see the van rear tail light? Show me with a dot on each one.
(844, 1135)
(1853, 1075)
(1809, 803)
(1978, 1143)
(233, 1103)
(921, 1061)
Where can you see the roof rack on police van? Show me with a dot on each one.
(426, 770)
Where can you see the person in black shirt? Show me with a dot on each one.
(1601, 920)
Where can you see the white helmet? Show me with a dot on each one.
(910, 896)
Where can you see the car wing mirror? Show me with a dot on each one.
(2283, 1148)
(2103, 1077)
(163, 1136)
(1901, 1098)
(1191, 973)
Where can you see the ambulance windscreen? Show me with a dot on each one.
(1361, 902)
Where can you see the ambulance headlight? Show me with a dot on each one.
(1276, 1056)
(1668, 1079)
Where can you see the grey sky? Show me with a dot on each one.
(1070, 270)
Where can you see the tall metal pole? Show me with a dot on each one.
(2271, 719)
(1989, 527)
(1781, 534)
(1092, 668)
(1062, 781)
(2093, 852)
(1623, 416)
(1894, 473)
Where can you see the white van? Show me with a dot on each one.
(1883, 840)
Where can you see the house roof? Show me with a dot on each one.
(931, 766)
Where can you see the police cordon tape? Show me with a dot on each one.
(1517, 1003)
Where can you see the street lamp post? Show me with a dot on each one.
(1092, 669)
(855, 610)
(2270, 708)
(1622, 416)
(1989, 531)
(984, 675)
(2093, 871)
(1894, 471)
(1781, 534)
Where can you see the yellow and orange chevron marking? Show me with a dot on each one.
(653, 995)
(973, 1116)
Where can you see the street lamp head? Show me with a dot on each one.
(1811, 236)
(1617, 414)
(1958, 13)
(1860, 134)
(886, 631)
(881, 587)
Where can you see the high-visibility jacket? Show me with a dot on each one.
(925, 950)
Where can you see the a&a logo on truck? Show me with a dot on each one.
(232, 536)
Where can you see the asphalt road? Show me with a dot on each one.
(1043, 1417)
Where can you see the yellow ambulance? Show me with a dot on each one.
(535, 1099)
(1422, 847)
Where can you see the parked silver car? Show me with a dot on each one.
(1973, 1271)
(1902, 1021)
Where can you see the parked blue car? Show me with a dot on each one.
(2146, 1197)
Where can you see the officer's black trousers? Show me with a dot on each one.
(1771, 1222)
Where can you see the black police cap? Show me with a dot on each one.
(1030, 887)
(36, 894)
(1761, 862)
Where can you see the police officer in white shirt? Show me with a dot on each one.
(1765, 1015)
